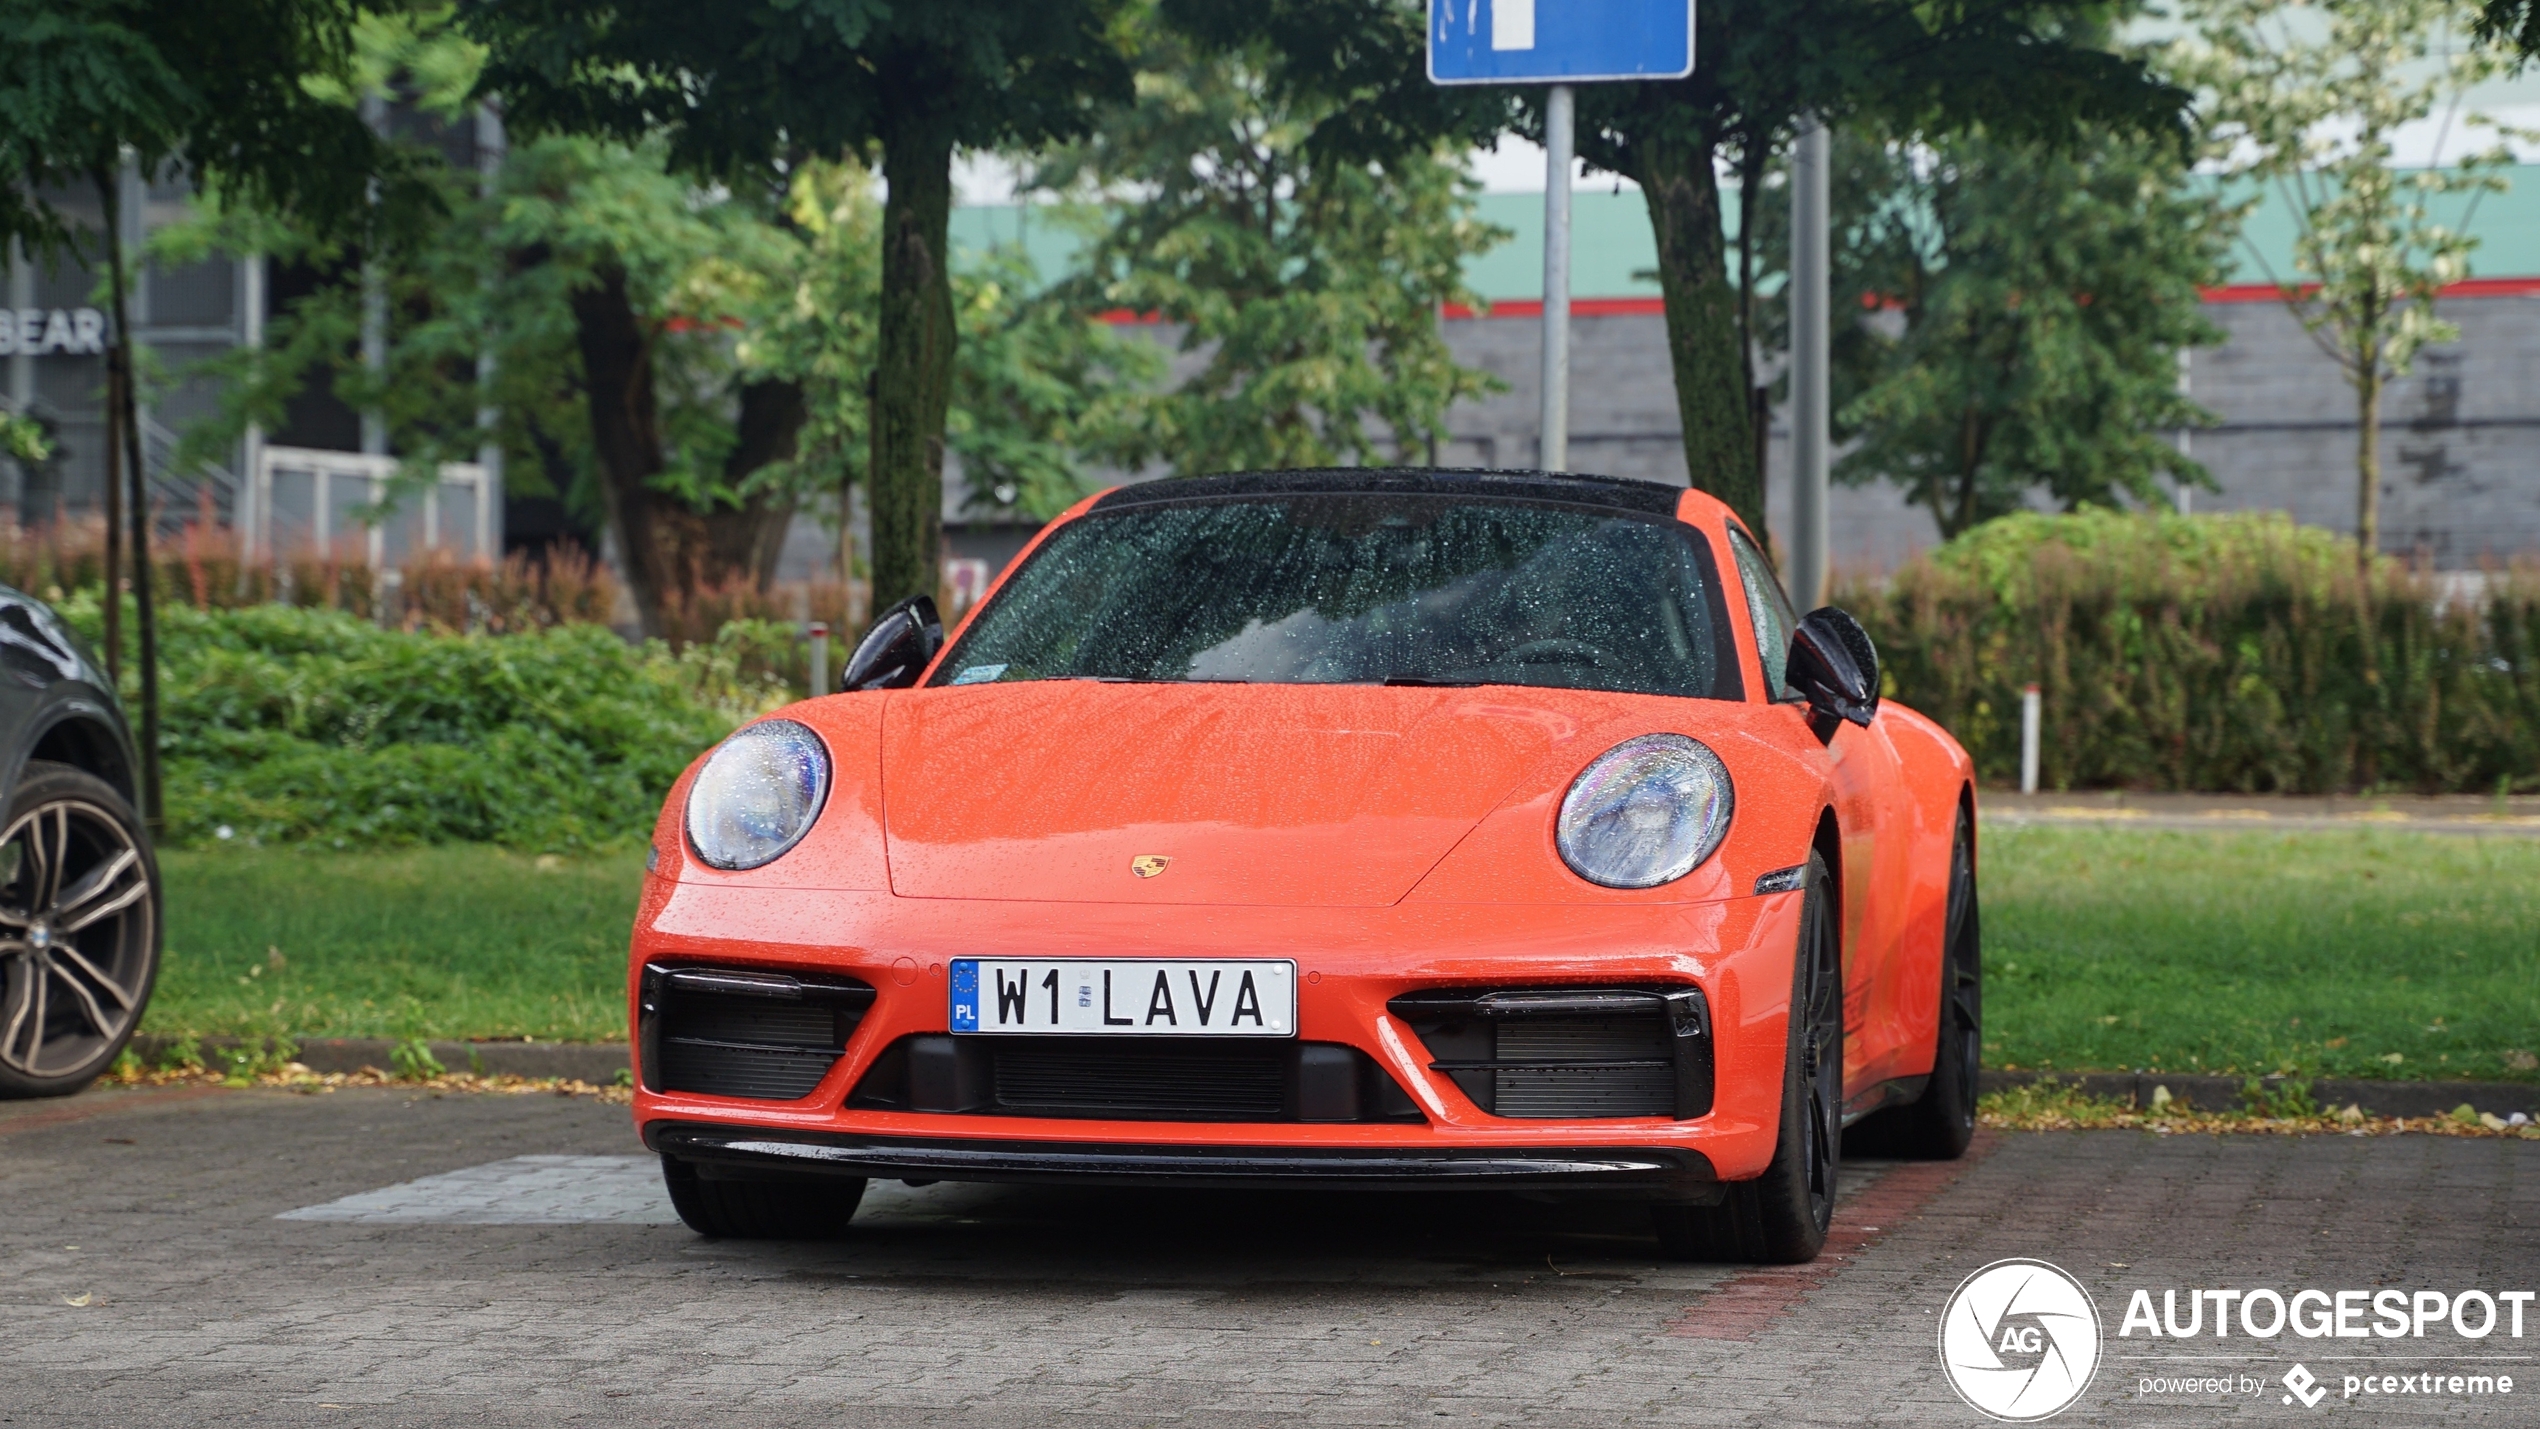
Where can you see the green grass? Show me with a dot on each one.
(453, 941)
(2325, 954)
(2238, 953)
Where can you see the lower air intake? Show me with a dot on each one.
(1567, 1053)
(729, 1033)
(1197, 1079)
(1585, 1066)
(1175, 1082)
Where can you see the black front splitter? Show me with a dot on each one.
(747, 1151)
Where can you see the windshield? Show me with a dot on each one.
(1360, 590)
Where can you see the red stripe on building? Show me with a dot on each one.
(1654, 307)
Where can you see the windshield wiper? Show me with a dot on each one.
(1431, 681)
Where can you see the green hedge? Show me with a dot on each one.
(291, 725)
(2224, 653)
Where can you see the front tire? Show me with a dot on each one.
(79, 930)
(810, 1209)
(1782, 1216)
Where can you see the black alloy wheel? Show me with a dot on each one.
(1782, 1216)
(812, 1208)
(79, 930)
(1938, 1125)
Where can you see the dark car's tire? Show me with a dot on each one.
(79, 930)
(1938, 1125)
(1782, 1216)
(810, 1209)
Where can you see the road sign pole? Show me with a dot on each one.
(1536, 42)
(1553, 454)
(1809, 357)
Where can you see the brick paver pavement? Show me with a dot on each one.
(148, 1277)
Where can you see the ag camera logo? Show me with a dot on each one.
(2019, 1340)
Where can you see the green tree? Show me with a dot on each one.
(731, 328)
(23, 439)
(1040, 388)
(2307, 99)
(2513, 25)
(218, 91)
(1307, 286)
(2023, 308)
(609, 292)
(2024, 68)
(762, 87)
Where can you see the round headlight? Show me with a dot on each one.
(757, 795)
(1647, 812)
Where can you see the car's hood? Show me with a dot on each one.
(1253, 794)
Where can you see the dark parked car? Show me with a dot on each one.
(79, 889)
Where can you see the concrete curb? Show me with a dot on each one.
(595, 1062)
(2224, 1093)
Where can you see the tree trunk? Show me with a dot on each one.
(2367, 466)
(752, 537)
(672, 550)
(1759, 398)
(1683, 193)
(114, 527)
(912, 386)
(126, 418)
(617, 386)
(110, 201)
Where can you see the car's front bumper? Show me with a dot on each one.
(1351, 963)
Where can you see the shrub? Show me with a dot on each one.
(2229, 653)
(289, 724)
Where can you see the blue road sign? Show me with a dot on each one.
(1559, 41)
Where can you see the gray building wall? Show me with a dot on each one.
(180, 314)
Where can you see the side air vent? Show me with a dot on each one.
(1556, 1053)
(731, 1033)
(1196, 1079)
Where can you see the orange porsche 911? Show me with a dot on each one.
(1411, 829)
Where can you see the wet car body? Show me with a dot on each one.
(1470, 1010)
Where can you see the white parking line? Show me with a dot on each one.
(523, 1191)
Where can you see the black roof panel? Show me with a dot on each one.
(1608, 492)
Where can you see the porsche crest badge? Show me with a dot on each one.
(1148, 865)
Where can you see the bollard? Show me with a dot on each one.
(819, 658)
(2031, 710)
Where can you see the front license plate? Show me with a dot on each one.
(1145, 997)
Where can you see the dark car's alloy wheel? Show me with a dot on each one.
(1782, 1216)
(812, 1208)
(79, 930)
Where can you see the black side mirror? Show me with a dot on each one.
(1833, 664)
(897, 647)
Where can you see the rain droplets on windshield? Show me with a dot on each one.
(1358, 590)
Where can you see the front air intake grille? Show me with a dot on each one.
(1585, 1066)
(730, 1033)
(1196, 1079)
(1559, 1053)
